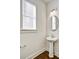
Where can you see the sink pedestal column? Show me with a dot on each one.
(51, 49)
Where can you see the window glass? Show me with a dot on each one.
(29, 16)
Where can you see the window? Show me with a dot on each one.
(29, 16)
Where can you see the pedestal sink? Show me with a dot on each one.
(51, 40)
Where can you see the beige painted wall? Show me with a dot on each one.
(35, 41)
(53, 4)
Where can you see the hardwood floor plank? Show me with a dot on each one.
(44, 55)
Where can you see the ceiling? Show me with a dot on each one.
(47, 1)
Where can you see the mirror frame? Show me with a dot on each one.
(56, 24)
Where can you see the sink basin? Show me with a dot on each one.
(51, 38)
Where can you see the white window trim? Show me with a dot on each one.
(22, 20)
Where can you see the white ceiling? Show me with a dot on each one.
(47, 1)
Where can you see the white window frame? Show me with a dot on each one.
(22, 16)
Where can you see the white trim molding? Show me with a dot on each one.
(33, 55)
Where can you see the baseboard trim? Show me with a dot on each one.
(33, 55)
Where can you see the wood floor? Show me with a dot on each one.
(44, 55)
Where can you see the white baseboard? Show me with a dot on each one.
(33, 55)
(57, 55)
